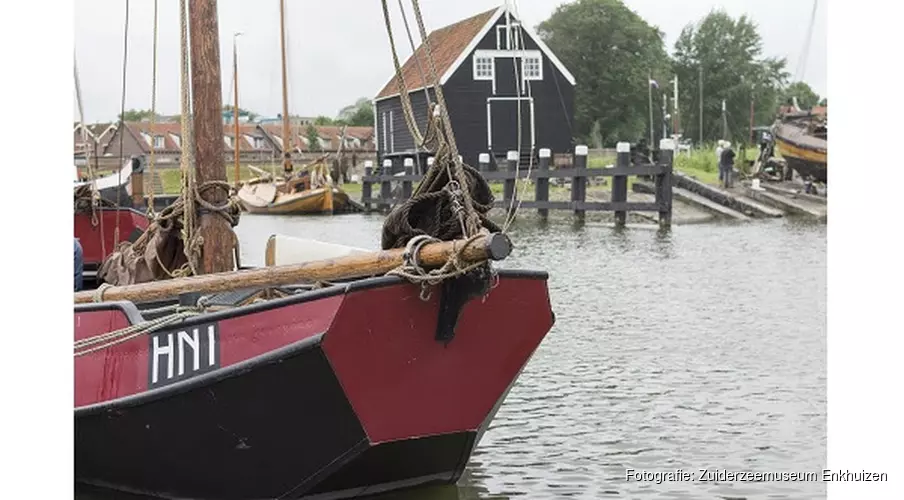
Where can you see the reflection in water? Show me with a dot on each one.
(703, 347)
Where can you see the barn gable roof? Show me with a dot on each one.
(451, 46)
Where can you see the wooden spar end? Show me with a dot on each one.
(495, 246)
(498, 246)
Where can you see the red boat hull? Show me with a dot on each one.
(332, 393)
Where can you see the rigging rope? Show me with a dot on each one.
(417, 60)
(150, 211)
(805, 54)
(136, 262)
(452, 200)
(122, 116)
(103, 341)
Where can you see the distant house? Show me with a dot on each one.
(93, 140)
(489, 66)
(257, 143)
(357, 139)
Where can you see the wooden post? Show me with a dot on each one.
(541, 189)
(508, 188)
(386, 186)
(579, 181)
(138, 188)
(366, 185)
(664, 183)
(207, 103)
(620, 182)
(406, 184)
(484, 162)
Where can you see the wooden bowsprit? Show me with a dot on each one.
(486, 247)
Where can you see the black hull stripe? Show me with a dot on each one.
(201, 381)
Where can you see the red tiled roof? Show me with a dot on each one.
(446, 44)
(331, 132)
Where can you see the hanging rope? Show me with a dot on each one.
(513, 210)
(417, 60)
(171, 246)
(187, 158)
(122, 115)
(452, 201)
(151, 162)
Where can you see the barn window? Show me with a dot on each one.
(391, 133)
(483, 68)
(532, 68)
(385, 133)
(508, 39)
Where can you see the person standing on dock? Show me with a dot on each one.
(726, 165)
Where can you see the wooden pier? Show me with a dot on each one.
(383, 189)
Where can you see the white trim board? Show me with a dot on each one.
(472, 46)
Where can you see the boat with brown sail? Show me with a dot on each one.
(329, 373)
(309, 191)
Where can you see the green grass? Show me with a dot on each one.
(702, 163)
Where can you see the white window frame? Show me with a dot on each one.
(391, 133)
(510, 36)
(539, 59)
(486, 59)
(162, 141)
(385, 133)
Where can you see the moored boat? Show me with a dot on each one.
(333, 372)
(801, 139)
(333, 392)
(277, 197)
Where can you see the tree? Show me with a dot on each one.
(135, 115)
(612, 53)
(806, 98)
(323, 120)
(359, 114)
(824, 102)
(313, 137)
(728, 54)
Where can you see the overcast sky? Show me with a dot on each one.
(338, 50)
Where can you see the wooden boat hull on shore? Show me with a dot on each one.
(324, 394)
(805, 153)
(313, 201)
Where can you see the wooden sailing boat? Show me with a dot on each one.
(802, 140)
(326, 378)
(311, 192)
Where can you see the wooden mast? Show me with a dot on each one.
(207, 105)
(235, 107)
(287, 141)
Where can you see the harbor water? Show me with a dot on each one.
(699, 348)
